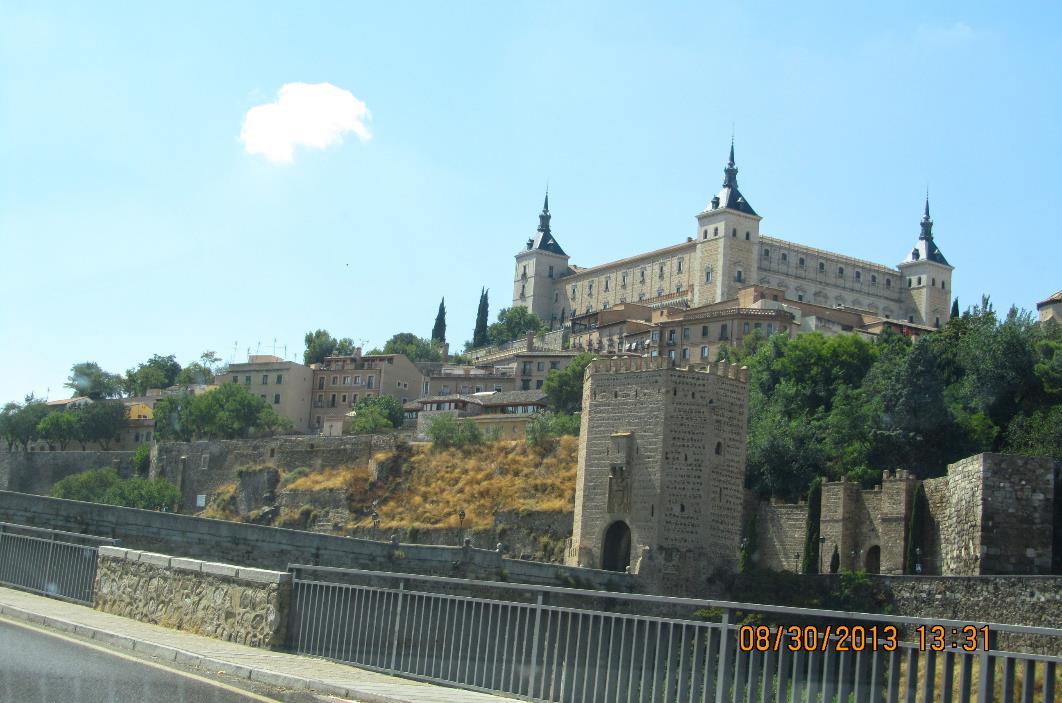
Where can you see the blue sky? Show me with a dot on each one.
(133, 221)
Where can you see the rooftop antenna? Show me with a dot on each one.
(258, 348)
(274, 346)
(235, 348)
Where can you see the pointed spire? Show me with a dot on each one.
(927, 223)
(543, 218)
(730, 180)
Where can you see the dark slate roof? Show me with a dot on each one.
(546, 242)
(926, 249)
(733, 199)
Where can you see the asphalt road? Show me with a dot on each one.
(41, 668)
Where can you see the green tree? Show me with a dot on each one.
(438, 332)
(19, 421)
(413, 347)
(564, 387)
(514, 323)
(545, 427)
(100, 422)
(1037, 434)
(156, 372)
(58, 428)
(369, 420)
(229, 412)
(142, 460)
(320, 345)
(385, 406)
(955, 308)
(89, 380)
(104, 486)
(479, 334)
(446, 431)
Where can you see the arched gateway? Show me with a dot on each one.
(616, 551)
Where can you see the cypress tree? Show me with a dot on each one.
(954, 308)
(810, 562)
(479, 336)
(438, 332)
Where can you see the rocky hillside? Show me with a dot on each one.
(510, 493)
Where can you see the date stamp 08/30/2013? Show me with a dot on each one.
(860, 638)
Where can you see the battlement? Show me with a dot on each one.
(633, 364)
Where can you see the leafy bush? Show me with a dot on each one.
(294, 475)
(545, 428)
(104, 486)
(142, 459)
(447, 432)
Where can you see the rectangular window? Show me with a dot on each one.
(280, 379)
(840, 272)
(800, 262)
(655, 335)
(642, 275)
(766, 253)
(704, 352)
(685, 332)
(554, 365)
(357, 380)
(704, 330)
(335, 380)
(332, 402)
(538, 383)
(785, 257)
(661, 270)
(551, 272)
(246, 380)
(265, 379)
(685, 352)
(606, 285)
(723, 331)
(276, 399)
(858, 276)
(708, 276)
(680, 265)
(590, 288)
(369, 380)
(671, 355)
(541, 366)
(822, 267)
(745, 328)
(235, 379)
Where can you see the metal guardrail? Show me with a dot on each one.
(50, 562)
(409, 625)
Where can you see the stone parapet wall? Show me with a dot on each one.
(236, 604)
(37, 472)
(780, 529)
(275, 548)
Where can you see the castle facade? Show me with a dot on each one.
(725, 253)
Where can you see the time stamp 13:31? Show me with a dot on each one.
(860, 638)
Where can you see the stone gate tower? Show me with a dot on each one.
(661, 470)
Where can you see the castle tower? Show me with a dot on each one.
(538, 266)
(928, 276)
(661, 470)
(728, 232)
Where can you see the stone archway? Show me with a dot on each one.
(616, 551)
(872, 564)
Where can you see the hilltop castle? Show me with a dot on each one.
(724, 254)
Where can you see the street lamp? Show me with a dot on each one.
(918, 560)
(822, 545)
(375, 523)
(461, 524)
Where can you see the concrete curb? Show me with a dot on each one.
(180, 656)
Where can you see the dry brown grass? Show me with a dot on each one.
(223, 505)
(436, 484)
(344, 477)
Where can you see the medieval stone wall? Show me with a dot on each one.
(780, 529)
(37, 472)
(199, 469)
(236, 604)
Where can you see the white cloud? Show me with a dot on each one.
(314, 115)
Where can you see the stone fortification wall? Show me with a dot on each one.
(37, 472)
(1014, 600)
(276, 548)
(201, 468)
(992, 514)
(236, 604)
(780, 529)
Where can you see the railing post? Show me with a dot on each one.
(986, 677)
(48, 563)
(534, 648)
(398, 625)
(722, 679)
